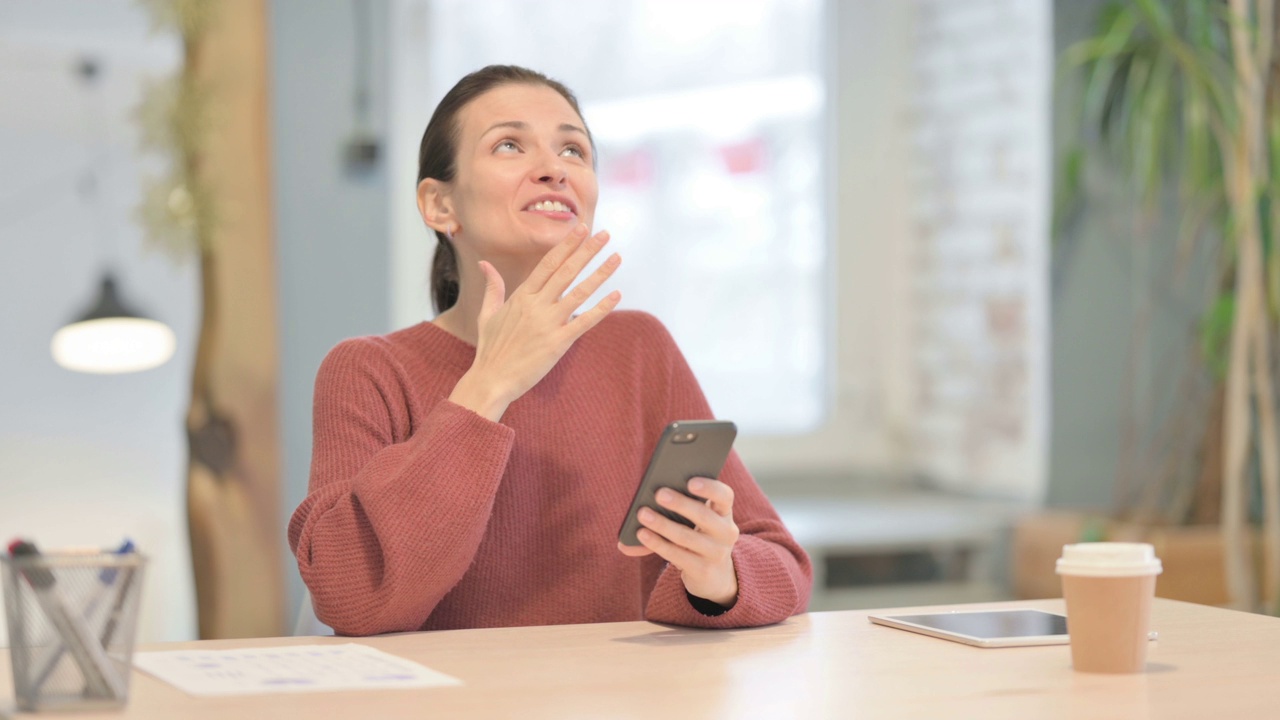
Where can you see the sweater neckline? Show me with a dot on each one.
(444, 345)
(452, 348)
(448, 336)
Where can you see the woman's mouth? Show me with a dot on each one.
(551, 208)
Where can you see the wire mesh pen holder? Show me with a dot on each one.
(72, 621)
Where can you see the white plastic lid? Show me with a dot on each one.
(1109, 559)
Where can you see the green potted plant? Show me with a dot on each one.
(1184, 97)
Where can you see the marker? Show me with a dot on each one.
(80, 642)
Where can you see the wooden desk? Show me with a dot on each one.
(1208, 663)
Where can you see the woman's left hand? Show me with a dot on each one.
(703, 553)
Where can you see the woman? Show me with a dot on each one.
(473, 471)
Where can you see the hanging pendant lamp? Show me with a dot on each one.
(110, 338)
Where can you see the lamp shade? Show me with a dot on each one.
(110, 338)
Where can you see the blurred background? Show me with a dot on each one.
(950, 343)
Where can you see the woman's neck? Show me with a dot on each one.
(462, 319)
(454, 322)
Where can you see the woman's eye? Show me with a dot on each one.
(507, 146)
(573, 150)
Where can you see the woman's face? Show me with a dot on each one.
(524, 172)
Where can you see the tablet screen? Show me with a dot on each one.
(993, 624)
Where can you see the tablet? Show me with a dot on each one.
(985, 628)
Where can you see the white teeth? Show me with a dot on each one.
(550, 206)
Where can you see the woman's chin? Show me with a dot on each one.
(546, 239)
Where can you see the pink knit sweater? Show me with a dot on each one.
(422, 515)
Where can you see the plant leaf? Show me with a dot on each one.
(1215, 333)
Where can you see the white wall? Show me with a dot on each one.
(332, 226)
(87, 459)
(980, 206)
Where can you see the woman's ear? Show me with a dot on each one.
(436, 207)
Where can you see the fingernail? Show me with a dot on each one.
(646, 514)
(666, 496)
(696, 484)
(580, 230)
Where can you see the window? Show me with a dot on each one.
(709, 120)
(913, 344)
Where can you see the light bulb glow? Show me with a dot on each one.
(113, 345)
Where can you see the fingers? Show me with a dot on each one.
(698, 541)
(579, 294)
(720, 527)
(712, 531)
(592, 317)
(569, 269)
(699, 512)
(704, 553)
(719, 495)
(558, 269)
(554, 259)
(634, 550)
(666, 549)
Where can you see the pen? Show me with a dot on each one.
(84, 647)
(118, 608)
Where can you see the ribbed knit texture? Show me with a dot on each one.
(422, 515)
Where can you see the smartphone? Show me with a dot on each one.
(687, 449)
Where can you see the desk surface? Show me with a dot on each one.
(1207, 663)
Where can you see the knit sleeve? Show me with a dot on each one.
(388, 527)
(775, 577)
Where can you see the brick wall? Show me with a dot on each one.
(980, 193)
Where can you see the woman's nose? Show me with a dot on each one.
(552, 171)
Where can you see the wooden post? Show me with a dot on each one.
(1242, 168)
(1268, 64)
(233, 498)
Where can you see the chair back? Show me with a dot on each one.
(307, 623)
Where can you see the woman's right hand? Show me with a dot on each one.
(522, 337)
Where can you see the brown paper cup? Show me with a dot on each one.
(1108, 619)
(1108, 588)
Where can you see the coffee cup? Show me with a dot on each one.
(1108, 588)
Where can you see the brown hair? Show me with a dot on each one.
(437, 156)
